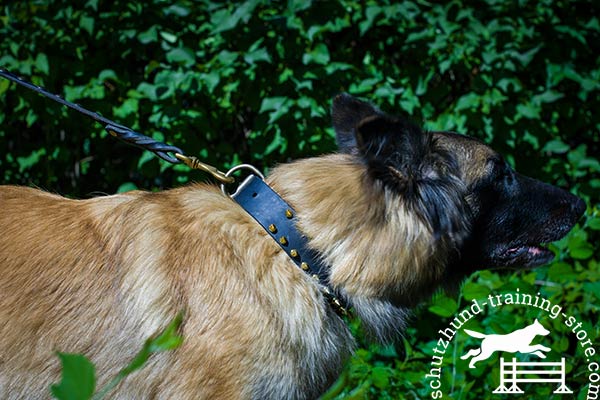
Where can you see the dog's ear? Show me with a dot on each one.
(364, 130)
(395, 149)
(405, 159)
(346, 113)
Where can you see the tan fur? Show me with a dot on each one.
(472, 157)
(375, 251)
(99, 276)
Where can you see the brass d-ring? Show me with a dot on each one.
(228, 174)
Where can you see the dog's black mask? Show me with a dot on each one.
(513, 217)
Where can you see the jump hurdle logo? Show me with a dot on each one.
(519, 341)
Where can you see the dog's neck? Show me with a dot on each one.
(375, 247)
(279, 219)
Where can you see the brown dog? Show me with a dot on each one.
(398, 213)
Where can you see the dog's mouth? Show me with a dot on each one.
(530, 253)
(528, 256)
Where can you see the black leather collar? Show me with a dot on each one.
(279, 220)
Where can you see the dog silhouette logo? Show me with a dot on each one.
(513, 372)
(518, 341)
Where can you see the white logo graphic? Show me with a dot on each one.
(517, 341)
(510, 373)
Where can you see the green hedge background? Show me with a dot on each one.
(252, 82)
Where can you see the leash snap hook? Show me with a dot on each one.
(195, 163)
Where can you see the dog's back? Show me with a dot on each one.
(133, 261)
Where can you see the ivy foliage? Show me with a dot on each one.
(251, 81)
(78, 377)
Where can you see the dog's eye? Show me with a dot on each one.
(501, 172)
(509, 177)
(504, 176)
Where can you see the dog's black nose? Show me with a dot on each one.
(578, 207)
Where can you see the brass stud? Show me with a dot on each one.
(304, 266)
(294, 253)
(338, 307)
(272, 228)
(288, 214)
(315, 277)
(283, 240)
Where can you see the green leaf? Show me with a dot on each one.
(167, 340)
(93, 4)
(147, 90)
(278, 142)
(87, 24)
(211, 80)
(227, 57)
(371, 12)
(272, 103)
(579, 247)
(169, 37)
(41, 63)
(468, 101)
(590, 163)
(78, 378)
(526, 57)
(444, 306)
(472, 290)
(177, 9)
(223, 20)
(107, 74)
(144, 158)
(505, 83)
(549, 96)
(594, 223)
(32, 159)
(445, 65)
(181, 55)
(4, 85)
(556, 146)
(592, 288)
(560, 272)
(528, 110)
(129, 106)
(148, 36)
(381, 377)
(364, 86)
(257, 55)
(572, 32)
(581, 250)
(127, 186)
(318, 55)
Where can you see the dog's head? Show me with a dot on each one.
(539, 329)
(465, 192)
